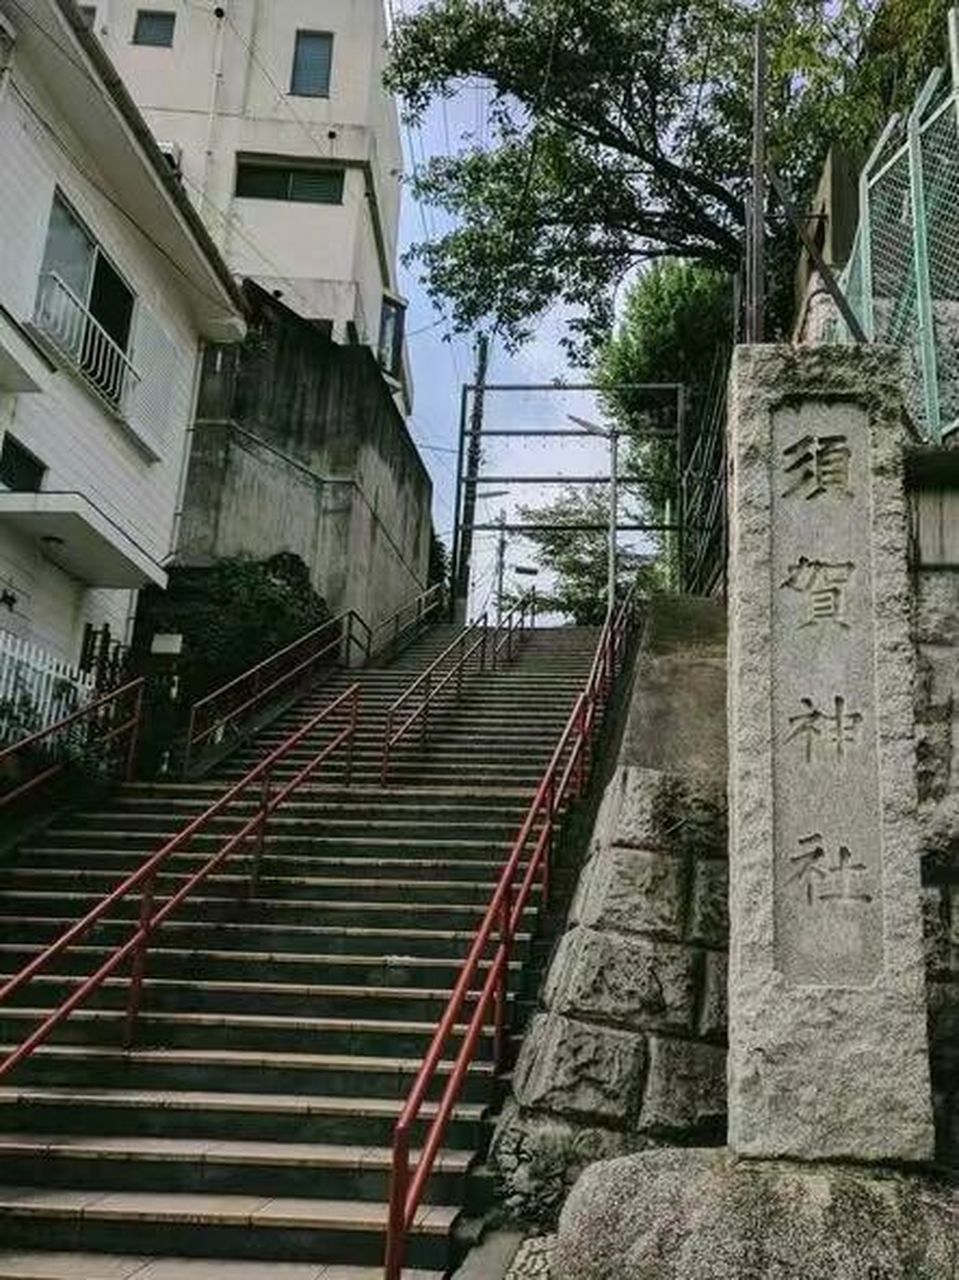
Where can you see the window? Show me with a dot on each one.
(20, 471)
(281, 182)
(154, 27)
(84, 305)
(392, 326)
(312, 64)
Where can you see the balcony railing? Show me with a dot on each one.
(83, 340)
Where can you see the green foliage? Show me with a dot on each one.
(439, 570)
(621, 133)
(579, 560)
(234, 614)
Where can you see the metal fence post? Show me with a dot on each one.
(924, 308)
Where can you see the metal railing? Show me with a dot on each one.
(102, 735)
(511, 629)
(388, 634)
(74, 329)
(233, 706)
(472, 641)
(703, 496)
(529, 862)
(144, 880)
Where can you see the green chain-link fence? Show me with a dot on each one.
(902, 280)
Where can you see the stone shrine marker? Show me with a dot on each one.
(828, 1048)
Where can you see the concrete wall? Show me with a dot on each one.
(629, 1051)
(299, 448)
(128, 469)
(222, 90)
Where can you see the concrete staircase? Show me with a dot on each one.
(248, 1132)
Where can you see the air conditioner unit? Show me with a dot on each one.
(173, 154)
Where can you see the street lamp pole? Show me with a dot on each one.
(500, 566)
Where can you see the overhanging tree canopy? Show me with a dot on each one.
(621, 134)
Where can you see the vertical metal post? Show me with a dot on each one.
(500, 566)
(351, 740)
(501, 996)
(464, 558)
(131, 760)
(920, 233)
(399, 1184)
(265, 796)
(756, 322)
(457, 524)
(138, 968)
(681, 503)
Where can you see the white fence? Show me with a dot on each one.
(36, 689)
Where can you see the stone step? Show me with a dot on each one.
(311, 1004)
(24, 1265)
(254, 1227)
(226, 1068)
(267, 937)
(216, 1166)
(195, 1114)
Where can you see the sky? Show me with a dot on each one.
(441, 366)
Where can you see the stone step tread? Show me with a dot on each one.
(299, 930)
(217, 1151)
(77, 876)
(346, 1062)
(275, 904)
(22, 1265)
(263, 989)
(206, 1100)
(216, 1210)
(294, 959)
(260, 1022)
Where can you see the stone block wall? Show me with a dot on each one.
(937, 641)
(628, 1050)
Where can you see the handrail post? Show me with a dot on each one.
(551, 799)
(583, 747)
(459, 667)
(425, 732)
(351, 740)
(387, 744)
(399, 1185)
(348, 640)
(131, 759)
(138, 967)
(502, 986)
(265, 800)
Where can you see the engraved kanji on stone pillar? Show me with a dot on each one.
(828, 1048)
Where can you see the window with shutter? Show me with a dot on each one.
(284, 182)
(312, 64)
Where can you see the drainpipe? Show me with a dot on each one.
(185, 455)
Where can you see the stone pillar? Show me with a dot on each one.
(828, 1043)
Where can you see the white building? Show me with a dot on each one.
(275, 115)
(108, 285)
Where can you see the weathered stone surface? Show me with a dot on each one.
(632, 982)
(685, 1089)
(714, 1014)
(709, 908)
(828, 1047)
(632, 891)
(697, 1215)
(537, 1159)
(579, 1069)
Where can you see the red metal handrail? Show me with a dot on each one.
(136, 947)
(415, 612)
(563, 781)
(431, 690)
(211, 715)
(521, 617)
(101, 714)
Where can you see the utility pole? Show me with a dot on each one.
(500, 565)
(461, 587)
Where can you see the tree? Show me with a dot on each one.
(578, 560)
(621, 135)
(439, 568)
